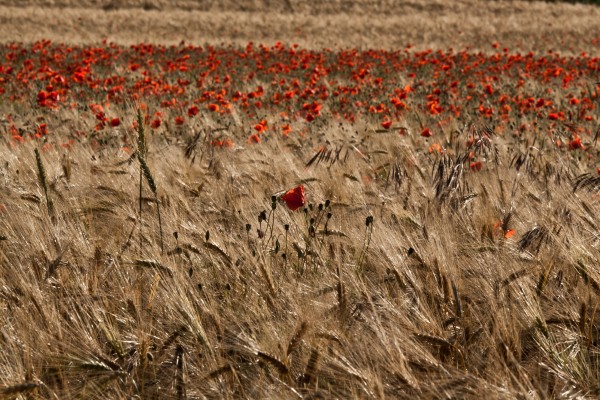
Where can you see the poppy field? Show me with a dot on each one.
(273, 221)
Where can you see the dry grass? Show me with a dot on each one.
(435, 305)
(427, 301)
(518, 25)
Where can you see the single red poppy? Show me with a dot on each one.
(576, 143)
(115, 122)
(426, 132)
(436, 148)
(294, 198)
(193, 110)
(261, 126)
(156, 123)
(386, 124)
(254, 138)
(476, 166)
(42, 96)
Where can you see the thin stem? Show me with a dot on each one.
(140, 201)
(160, 230)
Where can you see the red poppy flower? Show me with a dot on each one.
(254, 138)
(499, 230)
(156, 123)
(96, 108)
(115, 122)
(41, 130)
(575, 143)
(193, 110)
(436, 148)
(386, 124)
(261, 126)
(476, 166)
(294, 198)
(42, 96)
(426, 132)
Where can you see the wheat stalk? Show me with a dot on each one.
(43, 182)
(274, 361)
(145, 172)
(179, 375)
(15, 390)
(294, 342)
(311, 367)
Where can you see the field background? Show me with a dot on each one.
(518, 25)
(467, 270)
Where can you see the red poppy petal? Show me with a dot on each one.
(294, 198)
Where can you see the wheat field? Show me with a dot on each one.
(145, 260)
(519, 25)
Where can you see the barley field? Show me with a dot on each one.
(312, 200)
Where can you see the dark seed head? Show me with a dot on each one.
(262, 216)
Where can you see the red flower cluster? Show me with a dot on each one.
(544, 93)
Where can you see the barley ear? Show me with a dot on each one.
(148, 175)
(15, 390)
(457, 303)
(145, 171)
(294, 342)
(273, 361)
(179, 374)
(311, 367)
(141, 135)
(141, 151)
(44, 182)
